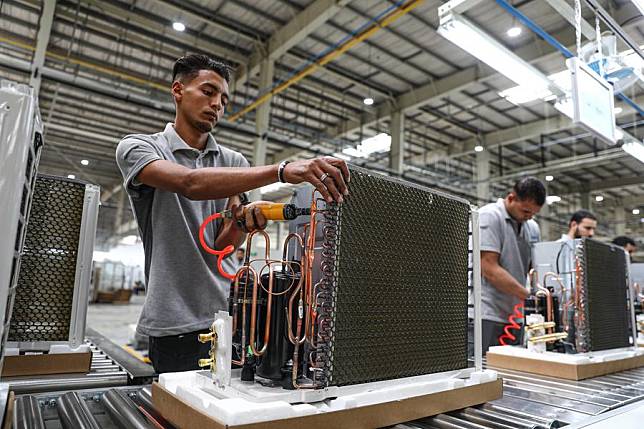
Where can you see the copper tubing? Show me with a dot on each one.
(308, 284)
(300, 315)
(305, 298)
(549, 310)
(288, 239)
(556, 277)
(253, 311)
(579, 315)
(562, 287)
(534, 279)
(246, 269)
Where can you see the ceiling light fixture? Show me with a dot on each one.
(368, 101)
(618, 110)
(178, 26)
(514, 31)
(636, 211)
(550, 199)
(550, 178)
(71, 176)
(466, 35)
(635, 149)
(84, 162)
(478, 148)
(599, 198)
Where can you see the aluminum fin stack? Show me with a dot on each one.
(393, 300)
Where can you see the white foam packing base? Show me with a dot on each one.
(574, 359)
(234, 405)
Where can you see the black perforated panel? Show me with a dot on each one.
(44, 297)
(397, 273)
(606, 289)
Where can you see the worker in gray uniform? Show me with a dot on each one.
(582, 224)
(178, 177)
(507, 234)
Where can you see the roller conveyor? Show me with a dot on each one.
(111, 366)
(529, 402)
(533, 401)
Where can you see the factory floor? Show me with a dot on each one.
(115, 320)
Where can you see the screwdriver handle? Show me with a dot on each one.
(273, 211)
(281, 211)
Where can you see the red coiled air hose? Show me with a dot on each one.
(507, 335)
(221, 254)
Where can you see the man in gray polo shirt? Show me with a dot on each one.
(507, 233)
(177, 178)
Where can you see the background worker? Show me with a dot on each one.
(507, 233)
(177, 178)
(582, 224)
(627, 243)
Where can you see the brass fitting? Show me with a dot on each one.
(210, 336)
(205, 363)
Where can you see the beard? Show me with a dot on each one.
(204, 127)
(577, 233)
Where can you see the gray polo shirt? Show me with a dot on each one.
(501, 234)
(183, 286)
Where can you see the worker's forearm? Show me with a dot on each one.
(504, 282)
(222, 182)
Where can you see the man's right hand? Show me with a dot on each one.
(329, 176)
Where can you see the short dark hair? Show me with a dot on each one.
(580, 215)
(187, 67)
(530, 188)
(241, 249)
(623, 240)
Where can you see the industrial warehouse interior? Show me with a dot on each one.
(322, 213)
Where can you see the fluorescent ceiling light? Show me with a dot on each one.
(478, 148)
(550, 199)
(635, 149)
(550, 178)
(71, 176)
(84, 162)
(129, 240)
(599, 198)
(179, 26)
(368, 101)
(514, 31)
(640, 5)
(636, 211)
(522, 94)
(378, 143)
(481, 45)
(618, 110)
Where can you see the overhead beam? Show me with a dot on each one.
(439, 88)
(182, 37)
(42, 41)
(454, 82)
(392, 14)
(296, 30)
(564, 9)
(587, 160)
(508, 136)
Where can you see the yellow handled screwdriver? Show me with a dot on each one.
(276, 211)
